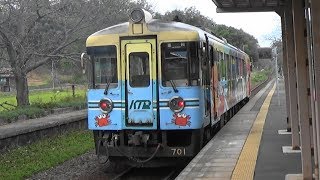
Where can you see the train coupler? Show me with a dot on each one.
(138, 138)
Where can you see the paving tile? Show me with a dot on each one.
(219, 157)
(220, 164)
(218, 175)
(219, 169)
(272, 163)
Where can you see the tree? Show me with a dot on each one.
(239, 38)
(277, 44)
(236, 37)
(189, 16)
(34, 32)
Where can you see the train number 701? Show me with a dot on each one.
(178, 151)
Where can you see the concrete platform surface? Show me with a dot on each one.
(222, 156)
(30, 125)
(272, 163)
(219, 157)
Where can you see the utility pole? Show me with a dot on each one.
(275, 53)
(52, 74)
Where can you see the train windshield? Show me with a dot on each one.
(139, 69)
(180, 64)
(104, 65)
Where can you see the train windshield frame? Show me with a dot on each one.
(180, 63)
(104, 66)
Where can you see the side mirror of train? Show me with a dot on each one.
(82, 59)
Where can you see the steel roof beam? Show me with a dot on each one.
(263, 2)
(217, 2)
(250, 3)
(234, 3)
(249, 9)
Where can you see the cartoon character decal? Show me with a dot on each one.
(181, 119)
(102, 120)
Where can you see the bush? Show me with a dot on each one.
(28, 111)
(43, 104)
(47, 105)
(259, 77)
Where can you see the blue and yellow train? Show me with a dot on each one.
(159, 89)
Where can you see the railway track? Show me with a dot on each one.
(163, 173)
(256, 89)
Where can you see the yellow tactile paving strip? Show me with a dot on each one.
(246, 163)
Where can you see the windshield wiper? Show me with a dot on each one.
(174, 86)
(107, 86)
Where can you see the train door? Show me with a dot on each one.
(139, 63)
(214, 84)
(206, 82)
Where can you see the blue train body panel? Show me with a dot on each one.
(97, 120)
(189, 117)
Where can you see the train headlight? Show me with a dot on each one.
(176, 104)
(137, 15)
(106, 105)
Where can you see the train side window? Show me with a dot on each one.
(205, 60)
(218, 65)
(222, 67)
(241, 67)
(233, 67)
(238, 67)
(194, 64)
(244, 68)
(211, 56)
(215, 56)
(235, 63)
(228, 66)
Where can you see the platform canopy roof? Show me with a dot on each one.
(249, 5)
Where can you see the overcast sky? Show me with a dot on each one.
(260, 25)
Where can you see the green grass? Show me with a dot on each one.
(26, 161)
(43, 97)
(257, 77)
(42, 102)
(30, 112)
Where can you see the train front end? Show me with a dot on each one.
(143, 100)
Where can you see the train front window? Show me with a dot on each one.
(105, 66)
(139, 73)
(179, 64)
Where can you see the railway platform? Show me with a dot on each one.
(251, 145)
(21, 133)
